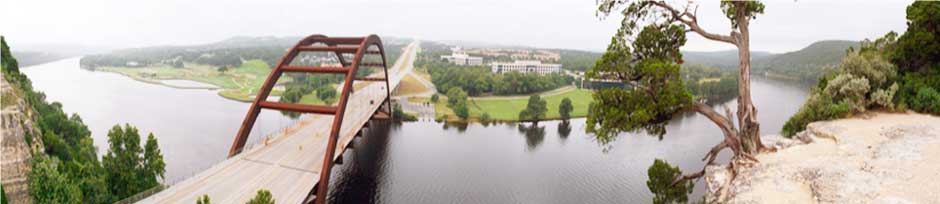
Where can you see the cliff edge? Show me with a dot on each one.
(874, 158)
(17, 127)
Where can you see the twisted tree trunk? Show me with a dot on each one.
(747, 113)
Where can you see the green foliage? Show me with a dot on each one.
(204, 199)
(927, 100)
(918, 49)
(456, 97)
(3, 195)
(916, 91)
(712, 85)
(656, 92)
(262, 197)
(660, 183)
(402, 115)
(326, 94)
(885, 97)
(535, 110)
(71, 171)
(485, 118)
(479, 80)
(8, 64)
(817, 107)
(49, 184)
(130, 168)
(861, 82)
(565, 108)
(462, 112)
(434, 98)
(750, 10)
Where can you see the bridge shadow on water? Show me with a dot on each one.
(357, 179)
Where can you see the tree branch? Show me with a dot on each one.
(692, 22)
(725, 124)
(687, 177)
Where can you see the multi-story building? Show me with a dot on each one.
(525, 66)
(463, 59)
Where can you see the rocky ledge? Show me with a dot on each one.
(874, 158)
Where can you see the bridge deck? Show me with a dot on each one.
(288, 164)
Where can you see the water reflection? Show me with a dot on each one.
(564, 129)
(534, 134)
(359, 177)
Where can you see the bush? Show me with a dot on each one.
(885, 97)
(859, 83)
(817, 107)
(661, 175)
(927, 100)
(262, 197)
(485, 118)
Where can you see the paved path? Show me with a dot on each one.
(288, 164)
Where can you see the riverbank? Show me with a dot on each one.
(507, 108)
(872, 158)
(238, 84)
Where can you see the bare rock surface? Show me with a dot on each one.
(16, 160)
(881, 158)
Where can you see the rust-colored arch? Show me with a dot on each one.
(338, 45)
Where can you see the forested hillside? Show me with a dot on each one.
(67, 168)
(806, 64)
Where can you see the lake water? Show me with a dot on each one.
(415, 162)
(195, 127)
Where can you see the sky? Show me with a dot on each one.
(786, 25)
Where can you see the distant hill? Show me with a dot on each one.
(727, 59)
(805, 64)
(808, 63)
(34, 54)
(228, 52)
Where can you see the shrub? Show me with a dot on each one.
(262, 197)
(817, 107)
(927, 100)
(661, 175)
(885, 97)
(485, 118)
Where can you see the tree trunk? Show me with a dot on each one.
(747, 113)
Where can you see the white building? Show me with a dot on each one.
(525, 66)
(463, 59)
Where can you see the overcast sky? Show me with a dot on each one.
(787, 25)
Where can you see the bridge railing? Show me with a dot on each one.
(167, 185)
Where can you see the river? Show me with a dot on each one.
(413, 162)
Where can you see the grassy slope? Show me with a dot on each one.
(410, 86)
(237, 84)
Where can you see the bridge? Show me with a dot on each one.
(294, 163)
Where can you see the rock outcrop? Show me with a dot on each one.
(17, 127)
(878, 158)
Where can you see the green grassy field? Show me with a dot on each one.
(508, 109)
(240, 83)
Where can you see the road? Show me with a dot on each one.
(288, 163)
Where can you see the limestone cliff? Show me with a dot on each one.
(875, 158)
(17, 127)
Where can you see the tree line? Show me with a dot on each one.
(67, 169)
(479, 80)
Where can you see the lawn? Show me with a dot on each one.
(240, 83)
(508, 109)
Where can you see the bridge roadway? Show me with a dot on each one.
(287, 164)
